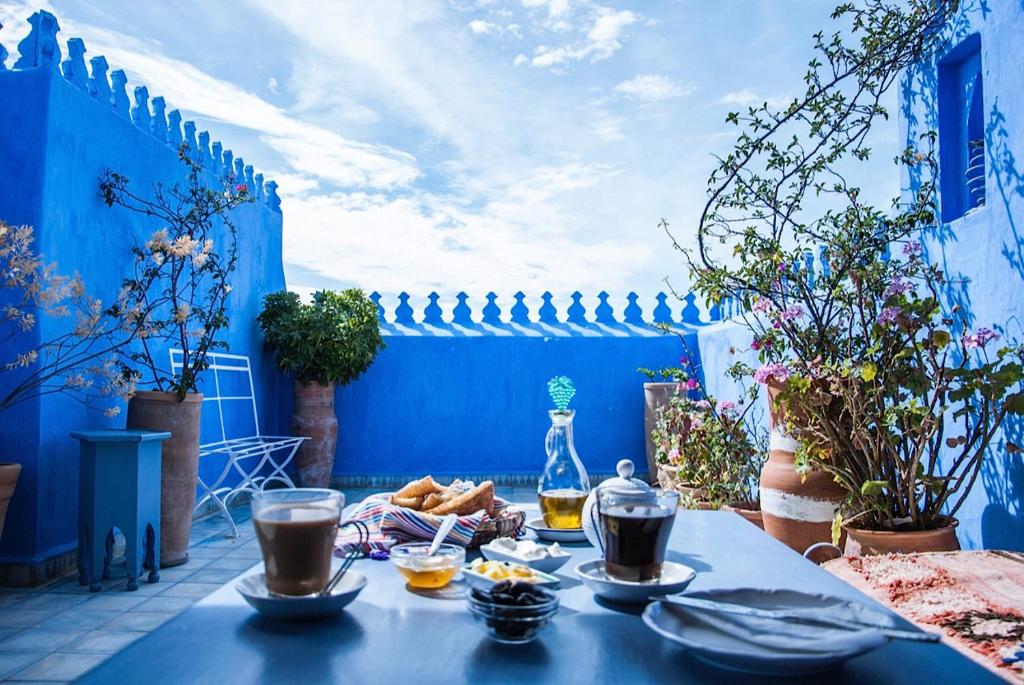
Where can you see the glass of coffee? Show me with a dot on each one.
(635, 525)
(297, 530)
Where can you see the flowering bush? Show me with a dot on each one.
(80, 361)
(178, 292)
(712, 445)
(878, 377)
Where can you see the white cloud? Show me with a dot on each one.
(654, 87)
(479, 26)
(747, 97)
(272, 85)
(600, 41)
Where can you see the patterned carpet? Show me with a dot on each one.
(975, 600)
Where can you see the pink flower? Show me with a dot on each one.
(695, 423)
(912, 248)
(241, 188)
(791, 312)
(763, 305)
(702, 404)
(980, 338)
(756, 344)
(724, 406)
(782, 268)
(897, 287)
(684, 360)
(691, 383)
(888, 316)
(769, 372)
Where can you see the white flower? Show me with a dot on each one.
(200, 259)
(158, 257)
(158, 241)
(182, 246)
(182, 312)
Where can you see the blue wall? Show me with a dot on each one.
(457, 400)
(55, 141)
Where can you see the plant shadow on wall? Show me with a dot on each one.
(884, 387)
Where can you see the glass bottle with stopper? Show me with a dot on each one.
(564, 484)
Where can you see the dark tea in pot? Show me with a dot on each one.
(635, 529)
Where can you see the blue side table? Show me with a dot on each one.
(118, 485)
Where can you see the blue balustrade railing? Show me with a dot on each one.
(523, 315)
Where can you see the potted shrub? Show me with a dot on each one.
(178, 292)
(328, 342)
(80, 361)
(879, 391)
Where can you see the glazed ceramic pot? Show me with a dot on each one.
(797, 509)
(314, 417)
(751, 511)
(656, 395)
(861, 542)
(179, 471)
(8, 480)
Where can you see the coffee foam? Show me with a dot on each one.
(304, 513)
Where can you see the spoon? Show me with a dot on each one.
(442, 532)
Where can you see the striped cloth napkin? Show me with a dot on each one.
(390, 525)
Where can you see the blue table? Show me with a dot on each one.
(392, 635)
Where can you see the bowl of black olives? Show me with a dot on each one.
(513, 613)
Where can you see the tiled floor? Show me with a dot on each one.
(56, 632)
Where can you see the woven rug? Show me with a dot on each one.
(975, 600)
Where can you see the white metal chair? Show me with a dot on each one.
(256, 459)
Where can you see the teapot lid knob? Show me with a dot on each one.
(625, 469)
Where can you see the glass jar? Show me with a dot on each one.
(564, 484)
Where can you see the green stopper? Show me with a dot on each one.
(562, 391)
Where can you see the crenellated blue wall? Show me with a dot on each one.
(459, 392)
(59, 129)
(982, 251)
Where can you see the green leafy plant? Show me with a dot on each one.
(887, 390)
(333, 338)
(178, 293)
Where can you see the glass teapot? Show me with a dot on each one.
(625, 484)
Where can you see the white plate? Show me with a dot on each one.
(685, 627)
(546, 564)
(674, 578)
(254, 589)
(483, 582)
(556, 534)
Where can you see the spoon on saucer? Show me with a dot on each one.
(442, 532)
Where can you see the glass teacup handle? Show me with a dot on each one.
(364, 531)
(595, 520)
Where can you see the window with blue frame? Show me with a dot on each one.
(961, 130)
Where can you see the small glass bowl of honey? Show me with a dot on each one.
(428, 572)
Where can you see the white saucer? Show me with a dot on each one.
(481, 581)
(254, 589)
(556, 534)
(704, 638)
(674, 578)
(544, 564)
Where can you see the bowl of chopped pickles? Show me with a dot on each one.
(427, 571)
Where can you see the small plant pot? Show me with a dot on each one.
(751, 511)
(314, 418)
(860, 542)
(8, 481)
(656, 395)
(179, 471)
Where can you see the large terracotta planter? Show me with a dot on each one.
(656, 395)
(861, 542)
(179, 472)
(751, 511)
(314, 418)
(8, 480)
(796, 509)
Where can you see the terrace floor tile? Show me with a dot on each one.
(138, 621)
(190, 590)
(39, 640)
(103, 641)
(59, 667)
(11, 662)
(114, 602)
(54, 601)
(78, 618)
(23, 618)
(168, 605)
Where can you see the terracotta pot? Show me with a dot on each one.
(314, 418)
(179, 472)
(796, 509)
(751, 511)
(8, 479)
(861, 542)
(656, 395)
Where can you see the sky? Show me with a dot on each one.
(467, 145)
